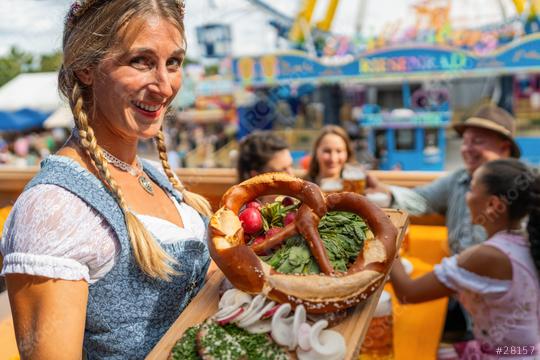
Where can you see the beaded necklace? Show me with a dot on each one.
(136, 171)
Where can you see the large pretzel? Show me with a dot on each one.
(326, 292)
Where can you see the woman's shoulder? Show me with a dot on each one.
(44, 196)
(45, 205)
(51, 232)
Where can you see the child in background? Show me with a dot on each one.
(496, 281)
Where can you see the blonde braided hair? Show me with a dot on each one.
(92, 29)
(194, 200)
(151, 258)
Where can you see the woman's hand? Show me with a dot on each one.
(48, 316)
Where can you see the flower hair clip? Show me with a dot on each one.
(182, 8)
(73, 12)
(76, 10)
(79, 7)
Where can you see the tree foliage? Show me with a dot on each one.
(17, 61)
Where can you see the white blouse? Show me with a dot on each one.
(457, 278)
(51, 232)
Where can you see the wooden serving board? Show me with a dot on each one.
(205, 304)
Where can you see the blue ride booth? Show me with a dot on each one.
(410, 137)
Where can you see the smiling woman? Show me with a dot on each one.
(331, 150)
(101, 239)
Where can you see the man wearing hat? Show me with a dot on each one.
(486, 135)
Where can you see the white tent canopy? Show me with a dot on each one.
(36, 91)
(62, 117)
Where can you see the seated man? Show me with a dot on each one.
(486, 135)
(261, 152)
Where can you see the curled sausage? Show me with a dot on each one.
(274, 240)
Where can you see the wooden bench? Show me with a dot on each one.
(212, 183)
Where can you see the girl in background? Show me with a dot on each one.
(496, 281)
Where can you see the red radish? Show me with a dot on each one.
(251, 220)
(287, 201)
(254, 204)
(289, 218)
(229, 318)
(272, 231)
(270, 312)
(258, 240)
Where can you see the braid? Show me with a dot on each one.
(533, 226)
(196, 201)
(152, 259)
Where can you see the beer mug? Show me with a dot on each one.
(331, 185)
(354, 178)
(379, 340)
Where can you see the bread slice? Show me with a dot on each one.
(186, 347)
(214, 343)
(257, 346)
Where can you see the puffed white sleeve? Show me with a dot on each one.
(458, 279)
(51, 232)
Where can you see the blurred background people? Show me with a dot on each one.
(486, 135)
(497, 281)
(262, 152)
(331, 150)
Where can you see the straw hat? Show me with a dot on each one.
(492, 118)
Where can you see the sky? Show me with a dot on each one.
(36, 25)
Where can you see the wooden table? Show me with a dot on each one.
(205, 304)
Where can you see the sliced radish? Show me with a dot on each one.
(227, 298)
(299, 319)
(231, 301)
(325, 345)
(270, 312)
(260, 327)
(226, 311)
(231, 317)
(256, 316)
(234, 297)
(253, 307)
(303, 336)
(282, 325)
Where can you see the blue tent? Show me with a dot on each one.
(27, 100)
(23, 119)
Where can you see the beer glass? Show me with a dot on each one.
(379, 340)
(331, 185)
(354, 178)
